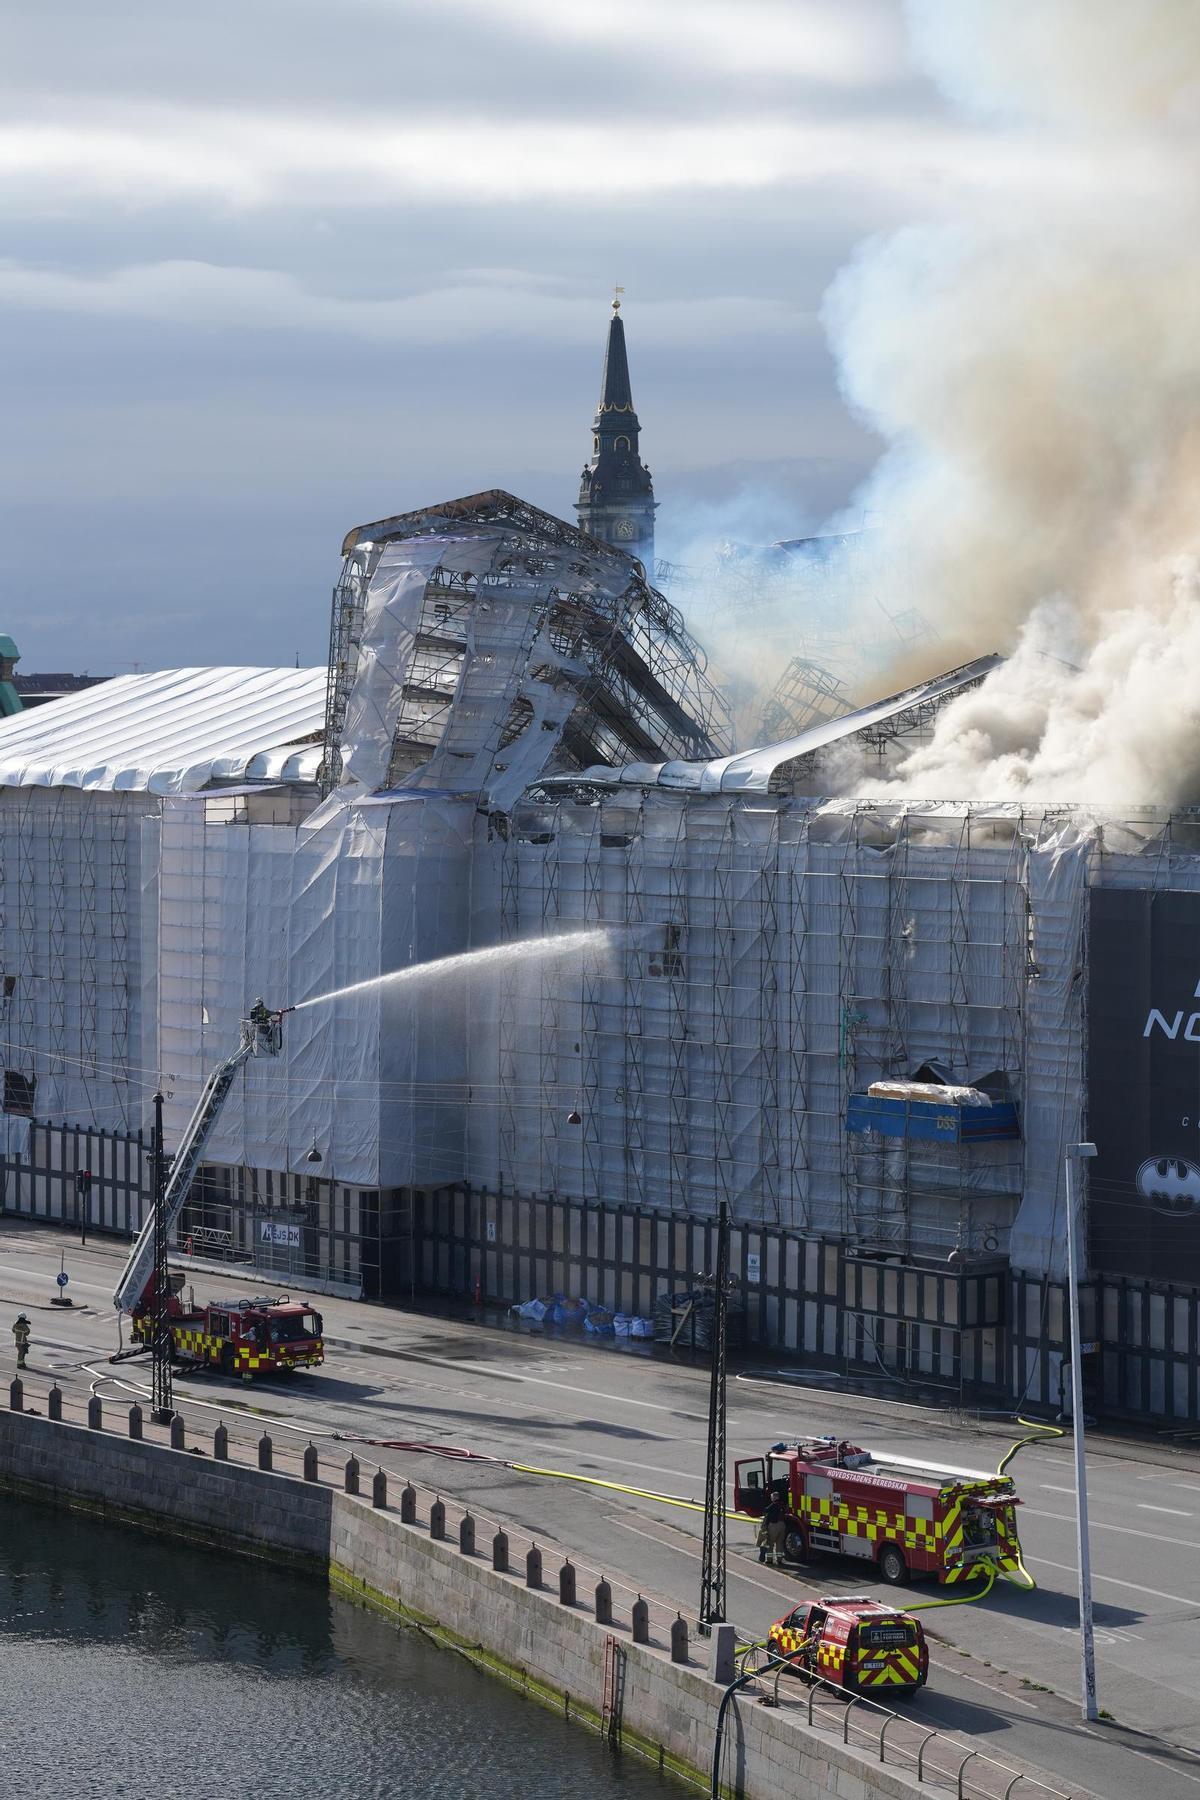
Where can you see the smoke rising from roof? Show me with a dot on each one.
(1036, 374)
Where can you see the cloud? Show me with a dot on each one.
(203, 295)
(851, 43)
(153, 154)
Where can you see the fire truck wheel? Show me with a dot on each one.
(795, 1546)
(892, 1567)
(227, 1359)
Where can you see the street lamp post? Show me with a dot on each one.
(712, 1570)
(1087, 1643)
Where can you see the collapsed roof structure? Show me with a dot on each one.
(793, 766)
(476, 643)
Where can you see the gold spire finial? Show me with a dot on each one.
(617, 292)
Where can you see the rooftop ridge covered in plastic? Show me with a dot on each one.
(172, 731)
(757, 771)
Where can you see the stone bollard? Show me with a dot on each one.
(379, 1489)
(408, 1504)
(722, 1654)
(466, 1535)
(95, 1414)
(264, 1452)
(16, 1395)
(178, 1441)
(221, 1444)
(312, 1470)
(135, 1420)
(533, 1567)
(352, 1474)
(679, 1639)
(640, 1621)
(566, 1584)
(437, 1520)
(500, 1552)
(54, 1402)
(603, 1602)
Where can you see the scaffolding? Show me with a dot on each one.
(805, 694)
(71, 865)
(767, 963)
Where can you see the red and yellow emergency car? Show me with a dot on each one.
(856, 1643)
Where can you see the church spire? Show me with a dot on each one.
(616, 395)
(616, 498)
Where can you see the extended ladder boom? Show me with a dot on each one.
(262, 1035)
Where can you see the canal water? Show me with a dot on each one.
(142, 1670)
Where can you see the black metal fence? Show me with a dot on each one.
(1141, 1348)
(981, 1335)
(70, 1175)
(934, 1327)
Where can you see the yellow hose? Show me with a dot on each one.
(616, 1487)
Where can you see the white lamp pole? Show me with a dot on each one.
(1087, 1641)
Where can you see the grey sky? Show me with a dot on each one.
(273, 267)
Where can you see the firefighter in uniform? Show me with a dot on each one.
(773, 1531)
(20, 1333)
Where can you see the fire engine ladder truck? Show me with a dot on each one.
(262, 1035)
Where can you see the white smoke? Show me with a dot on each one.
(1035, 371)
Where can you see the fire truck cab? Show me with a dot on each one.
(906, 1518)
(240, 1337)
(855, 1643)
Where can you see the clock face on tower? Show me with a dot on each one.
(625, 529)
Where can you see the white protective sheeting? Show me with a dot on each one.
(482, 716)
(249, 910)
(165, 733)
(1059, 868)
(70, 901)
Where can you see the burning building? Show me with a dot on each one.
(517, 739)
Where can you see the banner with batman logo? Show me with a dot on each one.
(1143, 1072)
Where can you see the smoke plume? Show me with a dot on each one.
(1035, 372)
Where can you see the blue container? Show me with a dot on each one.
(933, 1121)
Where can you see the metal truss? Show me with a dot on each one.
(805, 694)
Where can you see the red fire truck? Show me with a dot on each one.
(906, 1518)
(239, 1337)
(242, 1337)
(854, 1642)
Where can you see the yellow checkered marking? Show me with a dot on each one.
(194, 1342)
(873, 1524)
(830, 1658)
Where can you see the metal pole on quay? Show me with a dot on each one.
(1087, 1644)
(712, 1573)
(163, 1400)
